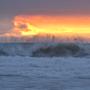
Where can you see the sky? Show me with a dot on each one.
(9, 9)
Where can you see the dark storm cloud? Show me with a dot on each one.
(44, 6)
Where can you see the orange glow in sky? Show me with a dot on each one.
(55, 25)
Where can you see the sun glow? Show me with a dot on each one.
(55, 25)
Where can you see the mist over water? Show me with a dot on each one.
(38, 28)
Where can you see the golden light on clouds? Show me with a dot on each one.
(55, 25)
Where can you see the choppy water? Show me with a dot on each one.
(25, 73)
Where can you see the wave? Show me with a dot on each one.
(45, 49)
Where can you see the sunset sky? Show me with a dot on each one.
(57, 17)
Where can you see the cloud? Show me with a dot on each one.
(5, 26)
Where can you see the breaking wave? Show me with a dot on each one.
(45, 49)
